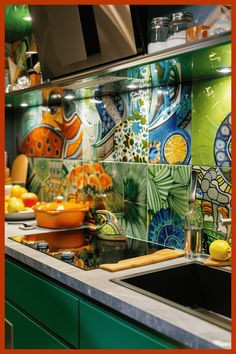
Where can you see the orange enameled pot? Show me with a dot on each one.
(60, 215)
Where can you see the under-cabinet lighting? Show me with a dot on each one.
(93, 100)
(23, 104)
(224, 70)
(132, 86)
(27, 18)
(69, 97)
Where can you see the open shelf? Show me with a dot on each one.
(195, 61)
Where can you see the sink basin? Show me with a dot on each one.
(192, 287)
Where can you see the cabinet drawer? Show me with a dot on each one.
(100, 329)
(27, 334)
(50, 304)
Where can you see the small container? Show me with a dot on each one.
(181, 21)
(193, 231)
(160, 29)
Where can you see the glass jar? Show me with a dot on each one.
(160, 29)
(180, 21)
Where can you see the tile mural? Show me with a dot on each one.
(132, 152)
(168, 201)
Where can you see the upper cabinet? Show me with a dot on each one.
(92, 50)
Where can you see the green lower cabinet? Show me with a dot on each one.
(101, 329)
(46, 315)
(28, 334)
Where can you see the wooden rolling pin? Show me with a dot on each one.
(158, 256)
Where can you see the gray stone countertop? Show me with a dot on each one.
(185, 328)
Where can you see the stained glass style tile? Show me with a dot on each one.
(214, 191)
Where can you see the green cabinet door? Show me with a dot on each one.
(55, 307)
(100, 329)
(27, 334)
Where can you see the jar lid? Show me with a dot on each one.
(160, 21)
(177, 16)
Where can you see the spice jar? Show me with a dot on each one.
(159, 33)
(180, 22)
(160, 29)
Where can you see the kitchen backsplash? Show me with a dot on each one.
(146, 142)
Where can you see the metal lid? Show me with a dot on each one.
(160, 21)
(180, 16)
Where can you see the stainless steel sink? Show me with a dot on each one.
(192, 287)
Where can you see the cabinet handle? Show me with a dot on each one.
(9, 339)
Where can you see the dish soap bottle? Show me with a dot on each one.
(193, 231)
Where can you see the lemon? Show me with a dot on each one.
(15, 205)
(17, 191)
(220, 250)
(6, 207)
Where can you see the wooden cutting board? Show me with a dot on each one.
(158, 256)
(19, 170)
(214, 263)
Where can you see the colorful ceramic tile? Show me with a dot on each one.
(47, 178)
(131, 135)
(169, 127)
(100, 117)
(211, 123)
(51, 133)
(168, 202)
(214, 191)
(129, 187)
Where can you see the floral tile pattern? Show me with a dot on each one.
(169, 137)
(214, 191)
(211, 123)
(132, 134)
(168, 202)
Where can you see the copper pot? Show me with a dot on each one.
(60, 215)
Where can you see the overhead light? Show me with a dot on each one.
(24, 104)
(224, 70)
(69, 97)
(27, 18)
(8, 105)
